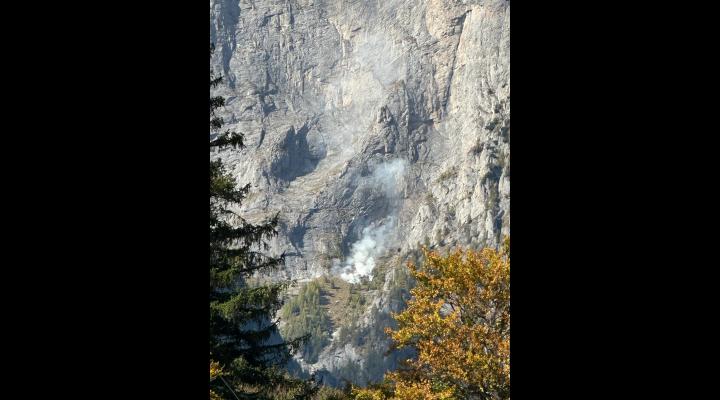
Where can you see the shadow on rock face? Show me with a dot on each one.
(295, 156)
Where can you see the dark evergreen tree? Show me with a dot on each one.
(244, 343)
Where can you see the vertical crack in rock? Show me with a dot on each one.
(458, 21)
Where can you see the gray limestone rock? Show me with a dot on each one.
(367, 116)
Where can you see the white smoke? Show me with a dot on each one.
(385, 59)
(346, 101)
(386, 177)
(362, 258)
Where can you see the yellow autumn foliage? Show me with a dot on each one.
(458, 320)
(421, 390)
(215, 371)
(367, 394)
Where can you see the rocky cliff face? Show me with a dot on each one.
(372, 127)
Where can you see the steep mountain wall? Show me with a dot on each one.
(372, 127)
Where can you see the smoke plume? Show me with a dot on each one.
(375, 239)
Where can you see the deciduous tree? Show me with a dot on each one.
(458, 321)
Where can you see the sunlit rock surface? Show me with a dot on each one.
(372, 127)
